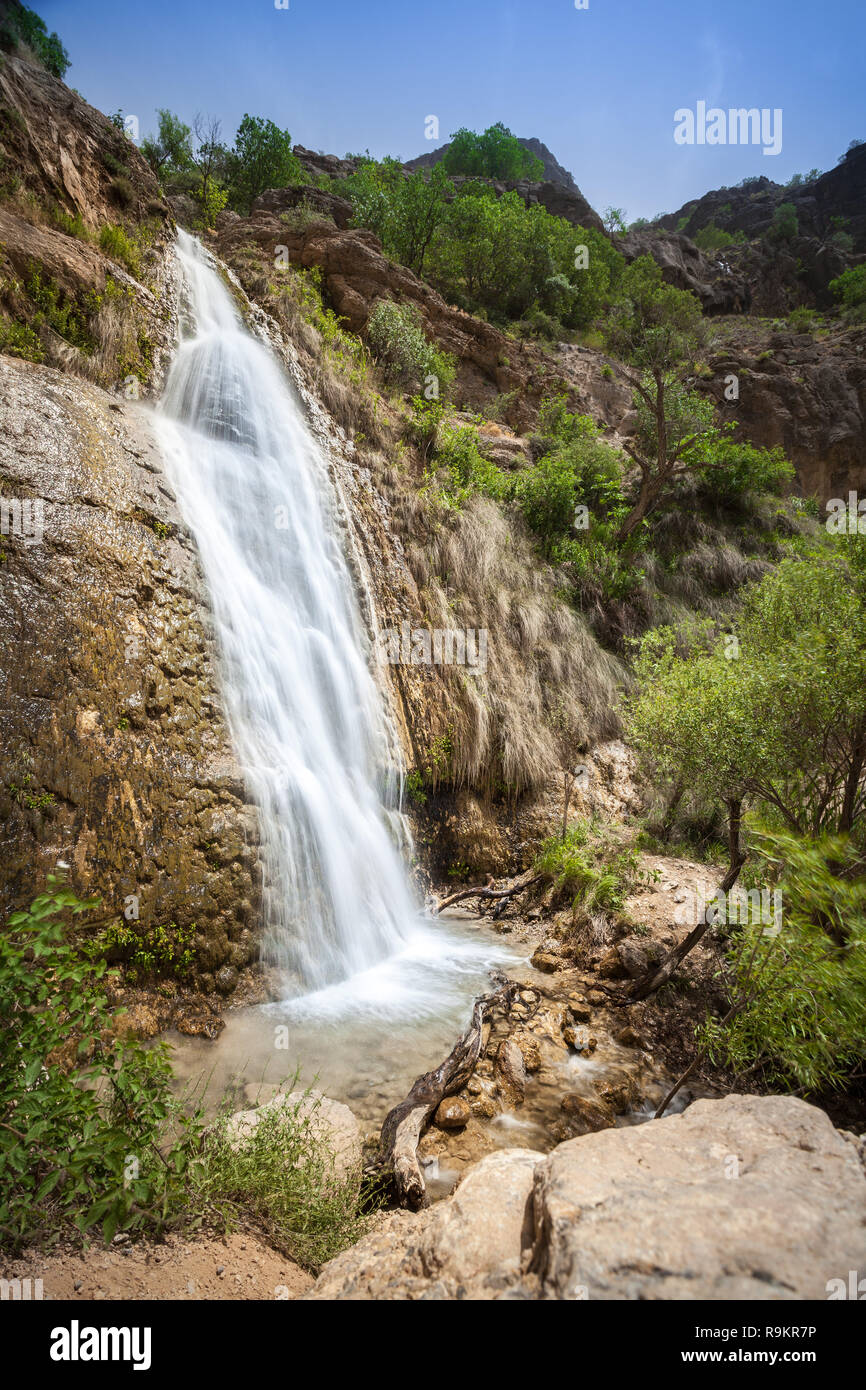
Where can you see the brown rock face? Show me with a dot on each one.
(685, 266)
(69, 154)
(116, 757)
(357, 274)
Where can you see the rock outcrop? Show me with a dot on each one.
(750, 1197)
(116, 755)
(750, 207)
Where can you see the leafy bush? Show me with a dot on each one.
(466, 471)
(738, 468)
(84, 1113)
(19, 340)
(263, 159)
(713, 238)
(282, 1177)
(785, 224)
(803, 991)
(582, 867)
(61, 311)
(91, 1135)
(114, 241)
(850, 287)
(397, 340)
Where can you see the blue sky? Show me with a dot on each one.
(599, 86)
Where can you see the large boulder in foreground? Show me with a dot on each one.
(750, 1197)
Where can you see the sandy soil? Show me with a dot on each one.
(238, 1267)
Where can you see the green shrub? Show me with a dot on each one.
(19, 340)
(850, 287)
(83, 1138)
(283, 1178)
(785, 224)
(713, 238)
(739, 468)
(148, 950)
(466, 471)
(587, 869)
(397, 340)
(92, 1137)
(114, 241)
(61, 311)
(803, 1020)
(802, 319)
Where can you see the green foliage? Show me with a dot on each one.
(500, 256)
(83, 1112)
(415, 787)
(263, 159)
(735, 469)
(461, 470)
(583, 867)
(149, 950)
(64, 314)
(652, 325)
(850, 287)
(283, 1177)
(92, 1138)
(21, 27)
(19, 340)
(485, 253)
(171, 149)
(774, 714)
(495, 154)
(802, 319)
(115, 242)
(713, 238)
(803, 1020)
(397, 340)
(785, 225)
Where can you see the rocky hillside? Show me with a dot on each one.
(822, 204)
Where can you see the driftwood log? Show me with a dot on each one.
(404, 1125)
(486, 893)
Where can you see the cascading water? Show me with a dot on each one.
(304, 711)
(306, 718)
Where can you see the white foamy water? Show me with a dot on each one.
(306, 718)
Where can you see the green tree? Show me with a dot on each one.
(264, 159)
(21, 27)
(495, 154)
(170, 151)
(655, 331)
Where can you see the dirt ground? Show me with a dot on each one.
(237, 1267)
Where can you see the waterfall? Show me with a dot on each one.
(306, 718)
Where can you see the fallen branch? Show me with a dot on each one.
(486, 892)
(404, 1125)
